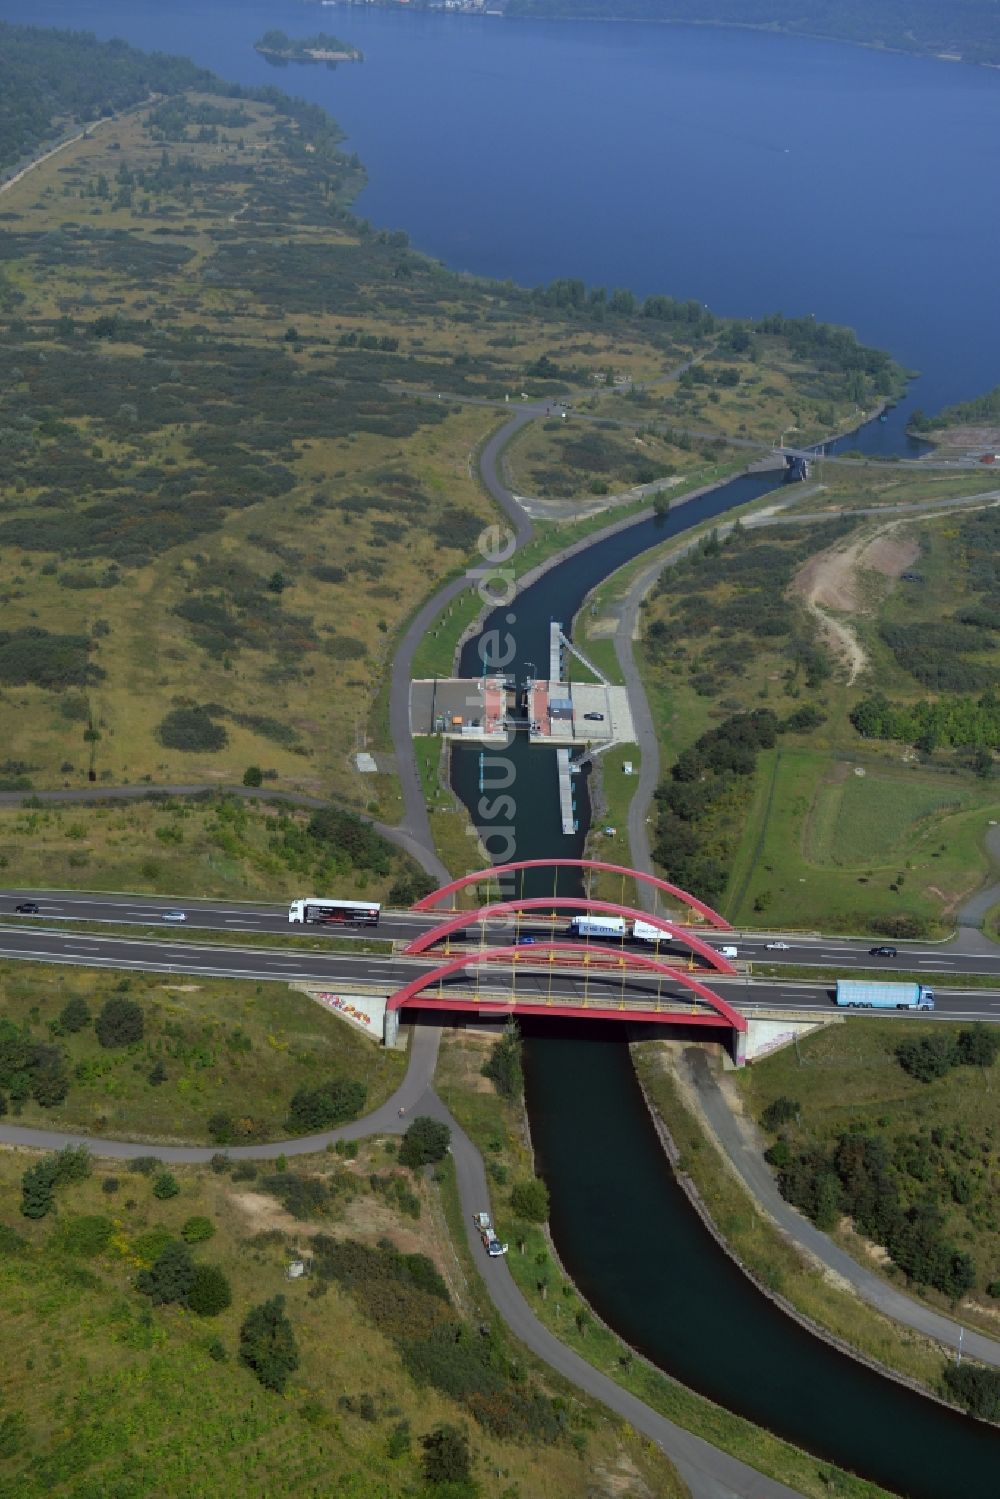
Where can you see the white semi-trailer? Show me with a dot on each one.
(598, 926)
(645, 931)
(860, 994)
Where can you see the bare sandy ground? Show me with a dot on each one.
(831, 584)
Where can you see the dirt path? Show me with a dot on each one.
(830, 585)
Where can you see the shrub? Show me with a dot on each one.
(145, 1165)
(976, 1388)
(192, 729)
(425, 1141)
(927, 1058)
(253, 776)
(331, 1103)
(302, 1196)
(780, 1112)
(210, 1292)
(197, 1229)
(157, 1075)
(220, 1128)
(530, 1199)
(446, 1456)
(74, 1015)
(267, 1344)
(217, 1350)
(165, 1186)
(110, 1185)
(170, 1277)
(503, 1066)
(39, 1182)
(120, 1022)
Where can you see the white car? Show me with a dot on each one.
(174, 916)
(777, 946)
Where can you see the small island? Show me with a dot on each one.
(278, 47)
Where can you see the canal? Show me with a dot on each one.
(622, 1225)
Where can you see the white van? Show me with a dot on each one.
(728, 952)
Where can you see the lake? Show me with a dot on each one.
(751, 172)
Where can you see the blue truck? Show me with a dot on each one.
(862, 994)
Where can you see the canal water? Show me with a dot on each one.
(624, 1229)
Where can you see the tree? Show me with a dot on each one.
(49, 1078)
(267, 1344)
(446, 1456)
(253, 776)
(928, 1058)
(503, 1066)
(331, 1103)
(158, 1074)
(426, 1140)
(780, 1112)
(977, 1046)
(170, 1277)
(530, 1199)
(74, 1015)
(120, 1022)
(210, 1292)
(37, 1191)
(166, 1185)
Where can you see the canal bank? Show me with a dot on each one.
(645, 1267)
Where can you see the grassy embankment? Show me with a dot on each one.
(212, 846)
(498, 1129)
(767, 1254)
(227, 1046)
(940, 1136)
(833, 831)
(167, 1406)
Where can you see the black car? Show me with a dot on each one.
(27, 908)
(881, 952)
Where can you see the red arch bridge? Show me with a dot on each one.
(581, 979)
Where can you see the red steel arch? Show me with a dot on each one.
(428, 902)
(410, 993)
(426, 940)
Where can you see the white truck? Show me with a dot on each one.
(645, 931)
(598, 926)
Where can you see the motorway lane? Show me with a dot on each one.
(402, 926)
(58, 945)
(226, 916)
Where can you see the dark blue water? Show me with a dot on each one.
(753, 173)
(623, 1227)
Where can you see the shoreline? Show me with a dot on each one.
(690, 1189)
(707, 25)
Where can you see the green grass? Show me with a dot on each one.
(924, 824)
(174, 846)
(229, 1046)
(867, 818)
(846, 1078)
(759, 1246)
(104, 1394)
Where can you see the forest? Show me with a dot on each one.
(53, 80)
(966, 27)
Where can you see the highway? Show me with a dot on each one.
(941, 960)
(173, 954)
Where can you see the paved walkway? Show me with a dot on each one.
(709, 1473)
(747, 1157)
